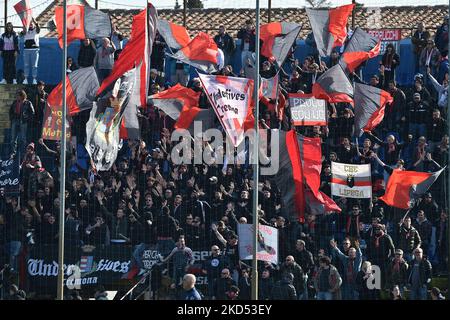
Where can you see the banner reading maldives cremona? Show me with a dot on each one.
(351, 180)
(307, 110)
(231, 99)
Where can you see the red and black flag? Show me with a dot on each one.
(361, 47)
(298, 177)
(81, 90)
(23, 9)
(137, 52)
(200, 52)
(176, 36)
(278, 38)
(333, 86)
(370, 103)
(329, 27)
(405, 187)
(82, 22)
(181, 104)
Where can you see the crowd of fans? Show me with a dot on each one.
(146, 199)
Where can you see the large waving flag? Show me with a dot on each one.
(24, 11)
(103, 127)
(82, 22)
(333, 86)
(200, 52)
(361, 47)
(370, 103)
(181, 104)
(405, 187)
(278, 38)
(329, 27)
(81, 89)
(176, 36)
(231, 99)
(136, 52)
(298, 177)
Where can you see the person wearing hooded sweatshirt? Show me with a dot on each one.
(352, 265)
(9, 48)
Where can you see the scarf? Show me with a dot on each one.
(377, 239)
(397, 266)
(388, 62)
(391, 147)
(349, 223)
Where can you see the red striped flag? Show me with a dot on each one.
(24, 11)
(329, 27)
(298, 177)
(361, 47)
(176, 36)
(333, 86)
(82, 22)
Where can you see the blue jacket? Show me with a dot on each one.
(346, 260)
(192, 294)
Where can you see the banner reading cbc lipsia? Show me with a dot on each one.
(351, 180)
(231, 99)
(267, 243)
(307, 110)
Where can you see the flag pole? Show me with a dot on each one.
(256, 161)
(62, 179)
(448, 180)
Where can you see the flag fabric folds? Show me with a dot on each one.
(269, 87)
(200, 52)
(181, 104)
(82, 22)
(136, 52)
(278, 38)
(102, 129)
(176, 36)
(298, 177)
(404, 188)
(329, 27)
(231, 99)
(81, 89)
(24, 11)
(333, 86)
(361, 47)
(370, 103)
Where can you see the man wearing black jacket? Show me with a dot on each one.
(306, 261)
(283, 289)
(226, 43)
(87, 53)
(435, 127)
(21, 113)
(419, 276)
